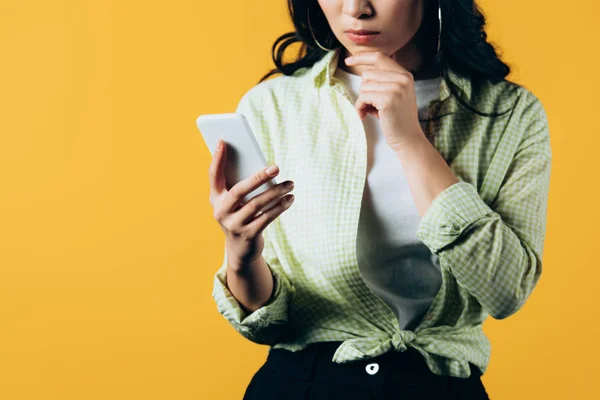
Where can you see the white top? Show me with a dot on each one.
(394, 263)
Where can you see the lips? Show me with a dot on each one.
(361, 31)
(364, 37)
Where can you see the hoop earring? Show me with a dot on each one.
(311, 32)
(440, 29)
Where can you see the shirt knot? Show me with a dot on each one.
(401, 339)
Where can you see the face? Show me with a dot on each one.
(397, 21)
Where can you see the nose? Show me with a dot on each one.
(356, 8)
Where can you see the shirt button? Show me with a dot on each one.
(372, 368)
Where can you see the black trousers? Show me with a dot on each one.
(310, 374)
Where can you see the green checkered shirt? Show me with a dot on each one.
(487, 230)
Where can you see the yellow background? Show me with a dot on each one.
(107, 243)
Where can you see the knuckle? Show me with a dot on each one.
(252, 232)
(268, 216)
(235, 191)
(233, 230)
(218, 214)
(253, 207)
(281, 207)
(259, 177)
(245, 233)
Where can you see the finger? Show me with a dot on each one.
(376, 59)
(368, 110)
(249, 210)
(380, 87)
(264, 219)
(366, 100)
(383, 76)
(236, 194)
(216, 171)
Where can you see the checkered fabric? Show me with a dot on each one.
(487, 229)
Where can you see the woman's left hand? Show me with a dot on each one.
(387, 91)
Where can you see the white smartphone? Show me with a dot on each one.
(244, 155)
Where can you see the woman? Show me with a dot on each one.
(421, 178)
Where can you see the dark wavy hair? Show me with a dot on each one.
(463, 42)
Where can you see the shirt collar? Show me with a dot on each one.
(324, 69)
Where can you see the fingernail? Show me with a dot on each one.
(219, 145)
(272, 170)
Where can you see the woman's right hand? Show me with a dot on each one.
(242, 226)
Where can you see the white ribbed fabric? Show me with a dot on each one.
(395, 264)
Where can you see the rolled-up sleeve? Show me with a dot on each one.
(265, 324)
(495, 251)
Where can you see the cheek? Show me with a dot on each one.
(328, 7)
(404, 18)
(407, 13)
